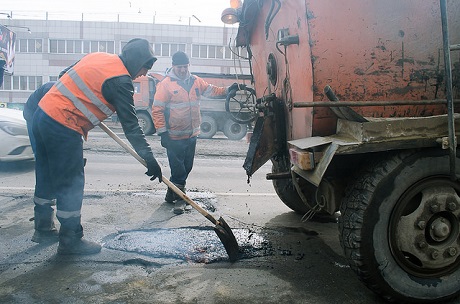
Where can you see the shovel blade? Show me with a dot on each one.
(225, 234)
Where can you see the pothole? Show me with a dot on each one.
(192, 244)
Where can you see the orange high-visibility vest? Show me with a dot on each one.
(183, 107)
(76, 100)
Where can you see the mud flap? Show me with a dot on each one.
(268, 138)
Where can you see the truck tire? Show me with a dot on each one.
(400, 227)
(146, 123)
(208, 127)
(286, 191)
(234, 130)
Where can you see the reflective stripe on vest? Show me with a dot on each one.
(76, 101)
(183, 133)
(179, 105)
(88, 93)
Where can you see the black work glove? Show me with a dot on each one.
(164, 139)
(153, 170)
(236, 87)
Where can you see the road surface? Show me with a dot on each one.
(150, 255)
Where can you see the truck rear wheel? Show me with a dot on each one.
(286, 191)
(234, 130)
(400, 228)
(208, 127)
(146, 123)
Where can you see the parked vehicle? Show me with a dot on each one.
(213, 114)
(14, 137)
(382, 150)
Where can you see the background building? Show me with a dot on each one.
(45, 47)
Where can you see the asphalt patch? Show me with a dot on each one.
(191, 244)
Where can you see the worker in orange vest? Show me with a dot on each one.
(89, 92)
(176, 114)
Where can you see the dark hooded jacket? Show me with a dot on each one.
(119, 91)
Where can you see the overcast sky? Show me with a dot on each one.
(162, 11)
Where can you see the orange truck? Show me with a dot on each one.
(214, 116)
(355, 110)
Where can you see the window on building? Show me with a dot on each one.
(165, 49)
(21, 83)
(195, 51)
(29, 46)
(168, 49)
(220, 52)
(177, 47)
(86, 47)
(212, 52)
(22, 46)
(61, 47)
(203, 51)
(242, 52)
(6, 83)
(228, 53)
(15, 82)
(81, 46)
(32, 83)
(94, 46)
(57, 46)
(78, 47)
(110, 47)
(235, 53)
(71, 46)
(53, 46)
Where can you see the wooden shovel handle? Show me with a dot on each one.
(173, 187)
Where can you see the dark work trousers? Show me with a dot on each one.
(59, 169)
(180, 156)
(31, 135)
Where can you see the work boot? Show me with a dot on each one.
(45, 230)
(179, 206)
(171, 196)
(71, 242)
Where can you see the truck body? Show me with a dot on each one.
(214, 116)
(355, 112)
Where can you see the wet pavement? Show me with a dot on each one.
(150, 255)
(191, 244)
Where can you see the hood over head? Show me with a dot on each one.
(136, 54)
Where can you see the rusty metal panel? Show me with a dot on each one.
(293, 68)
(262, 146)
(363, 49)
(380, 50)
(394, 129)
(382, 135)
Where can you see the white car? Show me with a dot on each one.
(14, 139)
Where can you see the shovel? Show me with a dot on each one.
(223, 231)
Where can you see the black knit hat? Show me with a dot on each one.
(180, 58)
